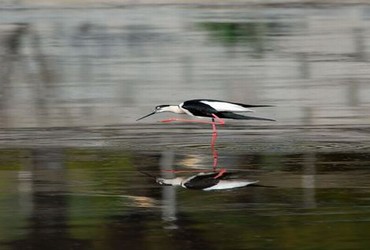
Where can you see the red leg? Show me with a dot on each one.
(213, 142)
(188, 171)
(215, 120)
(218, 119)
(220, 173)
(215, 159)
(185, 120)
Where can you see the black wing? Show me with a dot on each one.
(231, 115)
(197, 108)
(236, 103)
(204, 180)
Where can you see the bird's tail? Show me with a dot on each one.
(254, 106)
(231, 115)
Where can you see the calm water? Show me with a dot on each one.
(74, 80)
(78, 198)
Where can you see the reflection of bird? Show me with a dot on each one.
(206, 181)
(209, 108)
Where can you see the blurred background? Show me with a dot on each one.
(68, 63)
(75, 75)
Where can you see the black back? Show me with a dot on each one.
(236, 103)
(202, 181)
(198, 108)
(231, 115)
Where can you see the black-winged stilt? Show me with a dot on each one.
(209, 108)
(206, 181)
(215, 109)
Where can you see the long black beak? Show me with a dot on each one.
(146, 116)
(147, 174)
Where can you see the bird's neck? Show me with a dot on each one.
(173, 182)
(175, 109)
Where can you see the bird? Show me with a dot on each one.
(209, 108)
(215, 109)
(206, 181)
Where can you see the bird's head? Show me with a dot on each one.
(158, 109)
(162, 108)
(162, 181)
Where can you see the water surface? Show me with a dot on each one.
(97, 199)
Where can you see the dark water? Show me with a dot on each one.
(81, 198)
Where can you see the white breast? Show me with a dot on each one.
(225, 106)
